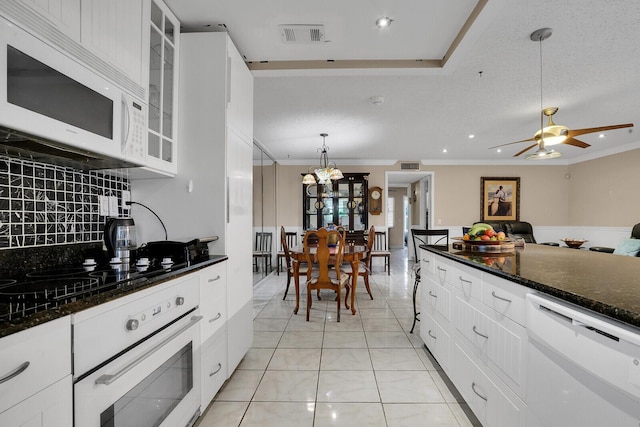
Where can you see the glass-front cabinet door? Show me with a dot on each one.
(163, 42)
(341, 202)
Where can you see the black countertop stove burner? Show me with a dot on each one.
(49, 289)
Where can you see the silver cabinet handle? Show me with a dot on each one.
(431, 335)
(433, 295)
(426, 260)
(441, 269)
(473, 387)
(219, 315)
(478, 333)
(214, 279)
(465, 280)
(107, 379)
(493, 293)
(217, 370)
(20, 369)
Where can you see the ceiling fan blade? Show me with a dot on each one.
(510, 143)
(526, 149)
(578, 132)
(576, 143)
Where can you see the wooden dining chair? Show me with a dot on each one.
(363, 269)
(291, 238)
(262, 250)
(325, 264)
(302, 269)
(380, 249)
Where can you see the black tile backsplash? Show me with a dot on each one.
(42, 204)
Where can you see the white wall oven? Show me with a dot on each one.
(137, 359)
(51, 104)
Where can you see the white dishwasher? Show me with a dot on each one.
(583, 369)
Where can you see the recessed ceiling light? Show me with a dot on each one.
(472, 136)
(383, 22)
(601, 135)
(444, 150)
(499, 150)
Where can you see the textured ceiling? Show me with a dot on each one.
(489, 87)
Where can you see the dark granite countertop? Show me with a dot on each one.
(11, 327)
(605, 283)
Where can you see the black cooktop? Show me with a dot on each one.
(40, 290)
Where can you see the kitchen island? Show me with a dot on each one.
(540, 336)
(607, 284)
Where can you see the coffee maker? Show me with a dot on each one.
(120, 238)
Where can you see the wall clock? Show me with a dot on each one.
(375, 200)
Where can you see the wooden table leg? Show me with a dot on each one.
(296, 279)
(355, 263)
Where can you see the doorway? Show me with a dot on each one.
(416, 187)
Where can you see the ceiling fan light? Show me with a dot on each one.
(544, 154)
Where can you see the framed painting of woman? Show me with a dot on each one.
(500, 199)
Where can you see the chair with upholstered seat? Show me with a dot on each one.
(424, 237)
(325, 264)
(262, 250)
(364, 269)
(302, 268)
(380, 249)
(635, 234)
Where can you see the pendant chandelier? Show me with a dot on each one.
(327, 171)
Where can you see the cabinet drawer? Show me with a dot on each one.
(436, 339)
(213, 299)
(436, 299)
(36, 357)
(427, 262)
(499, 345)
(214, 366)
(507, 299)
(443, 271)
(493, 405)
(50, 407)
(469, 281)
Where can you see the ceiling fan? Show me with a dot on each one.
(554, 134)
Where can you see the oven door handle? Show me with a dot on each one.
(107, 379)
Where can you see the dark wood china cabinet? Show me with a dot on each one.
(342, 202)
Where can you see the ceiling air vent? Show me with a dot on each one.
(410, 166)
(298, 33)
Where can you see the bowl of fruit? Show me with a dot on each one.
(484, 234)
(574, 243)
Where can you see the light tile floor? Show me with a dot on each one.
(366, 370)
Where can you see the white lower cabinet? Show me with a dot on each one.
(493, 405)
(213, 299)
(436, 338)
(214, 366)
(51, 407)
(34, 359)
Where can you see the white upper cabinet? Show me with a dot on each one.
(114, 30)
(164, 33)
(62, 14)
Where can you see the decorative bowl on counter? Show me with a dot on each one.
(573, 243)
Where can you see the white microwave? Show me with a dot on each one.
(54, 109)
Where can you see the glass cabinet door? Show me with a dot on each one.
(162, 68)
(339, 203)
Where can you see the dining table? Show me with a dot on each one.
(352, 254)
